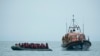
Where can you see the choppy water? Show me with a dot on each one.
(5, 50)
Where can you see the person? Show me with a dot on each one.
(42, 46)
(19, 44)
(47, 45)
(16, 44)
(71, 31)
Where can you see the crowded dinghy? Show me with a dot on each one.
(31, 46)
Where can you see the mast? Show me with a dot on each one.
(73, 23)
(74, 26)
(73, 20)
(83, 27)
(66, 25)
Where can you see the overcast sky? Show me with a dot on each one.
(44, 20)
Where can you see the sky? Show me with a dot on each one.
(45, 20)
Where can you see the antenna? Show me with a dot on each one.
(88, 38)
(83, 27)
(66, 25)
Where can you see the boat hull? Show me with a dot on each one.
(77, 45)
(20, 48)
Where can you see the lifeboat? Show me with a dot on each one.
(74, 39)
(31, 46)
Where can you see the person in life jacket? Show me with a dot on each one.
(42, 46)
(47, 46)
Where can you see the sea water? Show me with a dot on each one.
(5, 50)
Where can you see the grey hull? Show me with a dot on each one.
(30, 49)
